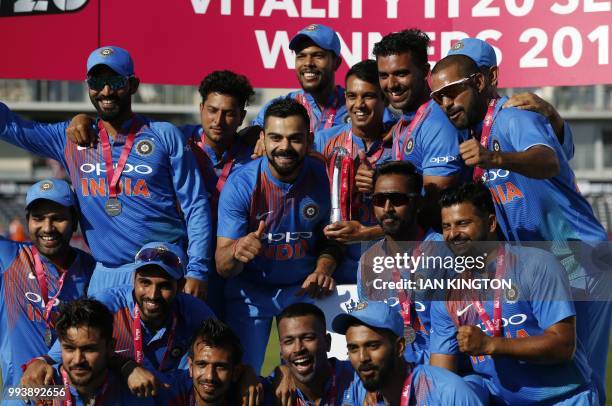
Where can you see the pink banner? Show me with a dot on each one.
(539, 43)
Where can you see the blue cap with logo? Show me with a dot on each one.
(480, 51)
(321, 35)
(118, 59)
(56, 190)
(170, 257)
(372, 314)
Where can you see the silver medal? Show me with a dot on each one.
(113, 207)
(48, 337)
(409, 334)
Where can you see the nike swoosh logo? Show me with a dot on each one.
(80, 148)
(460, 312)
(31, 276)
(260, 216)
(117, 351)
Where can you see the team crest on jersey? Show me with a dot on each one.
(496, 146)
(512, 294)
(144, 147)
(46, 186)
(409, 146)
(106, 52)
(176, 352)
(458, 45)
(310, 211)
(311, 27)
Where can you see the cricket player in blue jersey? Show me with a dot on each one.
(534, 190)
(85, 331)
(215, 356)
(152, 168)
(270, 233)
(375, 343)
(36, 277)
(363, 138)
(307, 376)
(153, 320)
(521, 339)
(484, 55)
(396, 199)
(317, 58)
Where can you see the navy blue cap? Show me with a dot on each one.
(170, 257)
(372, 314)
(56, 190)
(321, 35)
(480, 51)
(118, 59)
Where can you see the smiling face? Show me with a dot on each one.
(364, 102)
(155, 292)
(50, 226)
(304, 344)
(212, 371)
(463, 227)
(286, 145)
(112, 104)
(403, 82)
(315, 67)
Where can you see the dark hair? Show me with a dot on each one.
(84, 313)
(403, 168)
(228, 83)
(465, 65)
(286, 107)
(413, 40)
(299, 310)
(365, 70)
(216, 333)
(475, 193)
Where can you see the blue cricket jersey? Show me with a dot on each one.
(416, 352)
(190, 313)
(433, 147)
(344, 376)
(430, 386)
(159, 171)
(22, 328)
(319, 120)
(536, 209)
(362, 209)
(294, 213)
(540, 298)
(114, 391)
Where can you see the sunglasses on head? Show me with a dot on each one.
(158, 254)
(98, 83)
(395, 198)
(453, 89)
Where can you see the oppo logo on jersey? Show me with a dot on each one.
(294, 245)
(98, 169)
(289, 236)
(514, 320)
(493, 174)
(36, 306)
(443, 159)
(394, 301)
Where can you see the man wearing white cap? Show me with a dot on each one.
(130, 181)
(36, 277)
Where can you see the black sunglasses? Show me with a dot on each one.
(98, 83)
(158, 254)
(395, 198)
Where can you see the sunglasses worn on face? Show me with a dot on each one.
(158, 254)
(98, 83)
(395, 198)
(453, 89)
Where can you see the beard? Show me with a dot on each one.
(394, 228)
(376, 382)
(121, 107)
(285, 170)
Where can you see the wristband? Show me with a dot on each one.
(30, 362)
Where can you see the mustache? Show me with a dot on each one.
(209, 382)
(363, 367)
(284, 154)
(390, 216)
(80, 366)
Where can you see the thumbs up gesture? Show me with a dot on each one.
(364, 175)
(249, 246)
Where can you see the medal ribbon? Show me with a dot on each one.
(405, 398)
(99, 400)
(327, 115)
(406, 135)
(138, 338)
(494, 326)
(42, 279)
(486, 133)
(113, 174)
